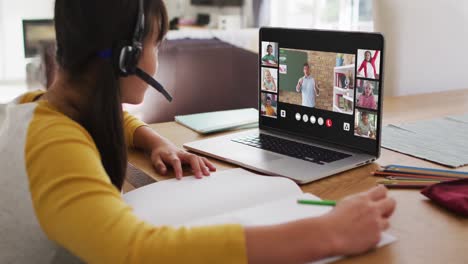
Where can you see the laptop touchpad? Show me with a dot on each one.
(257, 157)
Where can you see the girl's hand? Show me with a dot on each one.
(167, 154)
(357, 222)
(353, 227)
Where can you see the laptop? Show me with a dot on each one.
(320, 106)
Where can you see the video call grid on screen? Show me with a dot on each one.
(335, 61)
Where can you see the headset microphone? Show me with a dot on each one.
(155, 84)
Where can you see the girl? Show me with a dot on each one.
(269, 83)
(65, 158)
(368, 65)
(367, 99)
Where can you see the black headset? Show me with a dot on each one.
(130, 55)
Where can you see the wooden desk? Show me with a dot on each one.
(425, 232)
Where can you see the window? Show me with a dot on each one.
(323, 14)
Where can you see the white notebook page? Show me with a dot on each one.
(174, 202)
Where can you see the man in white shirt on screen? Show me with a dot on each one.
(308, 87)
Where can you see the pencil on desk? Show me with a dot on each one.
(425, 171)
(414, 179)
(406, 186)
(406, 182)
(317, 202)
(419, 176)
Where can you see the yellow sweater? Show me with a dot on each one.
(77, 206)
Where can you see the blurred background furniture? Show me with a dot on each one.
(41, 69)
(203, 75)
(39, 52)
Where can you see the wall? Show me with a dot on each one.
(323, 64)
(426, 45)
(11, 15)
(295, 61)
(322, 70)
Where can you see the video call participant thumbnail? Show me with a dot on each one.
(367, 94)
(308, 87)
(269, 80)
(365, 125)
(269, 57)
(370, 62)
(269, 105)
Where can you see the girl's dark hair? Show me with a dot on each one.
(83, 29)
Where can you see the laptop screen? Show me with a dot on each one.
(324, 85)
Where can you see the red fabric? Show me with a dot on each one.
(372, 62)
(367, 101)
(452, 195)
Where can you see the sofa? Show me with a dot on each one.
(202, 75)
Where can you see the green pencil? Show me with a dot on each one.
(317, 202)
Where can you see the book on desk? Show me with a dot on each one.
(226, 197)
(205, 123)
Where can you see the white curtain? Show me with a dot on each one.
(2, 41)
(261, 12)
(322, 14)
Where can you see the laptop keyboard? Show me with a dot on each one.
(292, 148)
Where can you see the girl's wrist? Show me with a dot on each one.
(331, 237)
(317, 239)
(156, 143)
(153, 141)
(300, 241)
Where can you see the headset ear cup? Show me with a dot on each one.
(123, 62)
(128, 60)
(131, 60)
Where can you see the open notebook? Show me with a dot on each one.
(229, 196)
